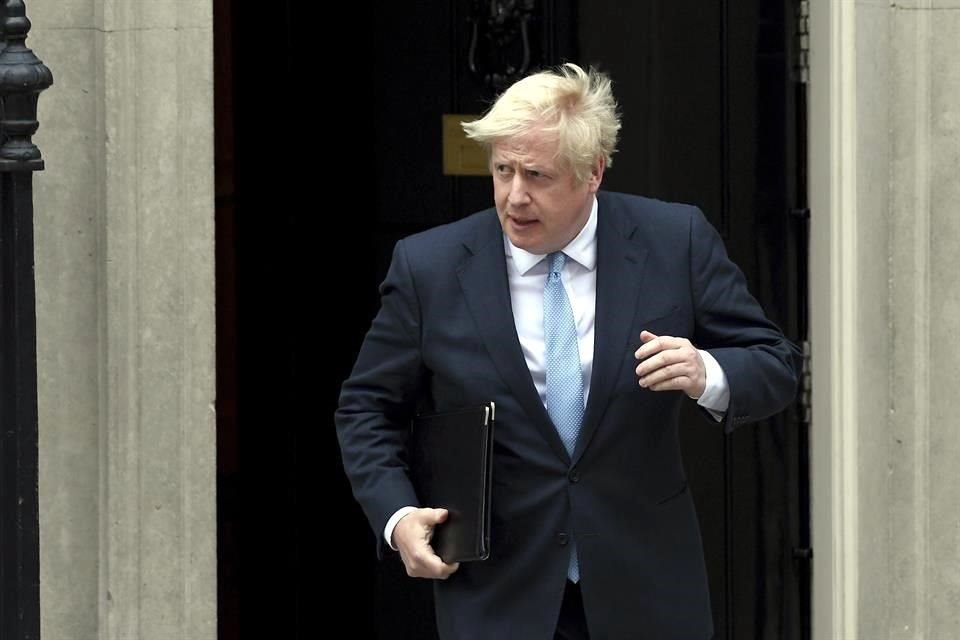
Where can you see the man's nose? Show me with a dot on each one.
(518, 190)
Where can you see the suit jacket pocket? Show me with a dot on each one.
(664, 321)
(655, 315)
(673, 495)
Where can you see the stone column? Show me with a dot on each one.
(885, 187)
(125, 288)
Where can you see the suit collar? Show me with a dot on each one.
(483, 280)
(621, 258)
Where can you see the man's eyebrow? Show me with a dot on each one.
(539, 168)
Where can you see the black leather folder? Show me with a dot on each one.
(452, 466)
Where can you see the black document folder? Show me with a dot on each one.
(452, 465)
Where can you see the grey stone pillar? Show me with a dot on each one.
(125, 280)
(885, 187)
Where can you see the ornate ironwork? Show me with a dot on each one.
(22, 77)
(501, 50)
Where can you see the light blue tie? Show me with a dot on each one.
(564, 375)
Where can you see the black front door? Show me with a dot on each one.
(711, 114)
(712, 104)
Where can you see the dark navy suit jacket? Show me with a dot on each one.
(445, 337)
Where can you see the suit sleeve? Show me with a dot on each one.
(378, 400)
(760, 363)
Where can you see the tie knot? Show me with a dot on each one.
(556, 261)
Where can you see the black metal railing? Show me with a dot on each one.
(22, 77)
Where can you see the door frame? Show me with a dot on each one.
(832, 135)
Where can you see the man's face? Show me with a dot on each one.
(541, 206)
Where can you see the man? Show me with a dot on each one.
(589, 318)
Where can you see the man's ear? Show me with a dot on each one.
(596, 174)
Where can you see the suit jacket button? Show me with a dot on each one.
(574, 476)
(563, 539)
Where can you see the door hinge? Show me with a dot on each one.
(806, 405)
(803, 553)
(801, 67)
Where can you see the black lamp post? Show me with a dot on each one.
(22, 77)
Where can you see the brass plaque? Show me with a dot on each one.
(462, 156)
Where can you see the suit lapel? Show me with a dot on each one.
(483, 279)
(620, 276)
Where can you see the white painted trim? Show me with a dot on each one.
(833, 277)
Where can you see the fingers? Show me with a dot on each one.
(435, 516)
(424, 563)
(653, 344)
(677, 354)
(670, 364)
(412, 537)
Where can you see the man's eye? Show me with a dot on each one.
(502, 169)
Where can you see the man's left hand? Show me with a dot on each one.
(670, 364)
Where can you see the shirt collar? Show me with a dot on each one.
(582, 249)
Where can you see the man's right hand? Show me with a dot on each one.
(412, 537)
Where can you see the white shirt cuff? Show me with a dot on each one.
(716, 393)
(392, 523)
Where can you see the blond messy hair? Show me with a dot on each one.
(574, 105)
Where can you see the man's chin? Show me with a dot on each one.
(526, 244)
(525, 236)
